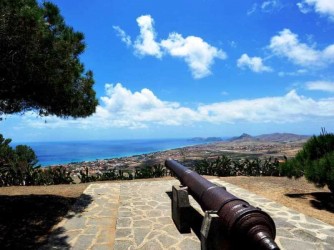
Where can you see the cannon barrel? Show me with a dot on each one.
(240, 220)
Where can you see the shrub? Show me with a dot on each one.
(315, 161)
(224, 166)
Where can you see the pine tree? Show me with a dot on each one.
(39, 62)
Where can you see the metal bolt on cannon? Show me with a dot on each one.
(240, 225)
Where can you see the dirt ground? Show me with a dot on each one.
(299, 194)
(27, 214)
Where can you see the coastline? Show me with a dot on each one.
(189, 154)
(63, 153)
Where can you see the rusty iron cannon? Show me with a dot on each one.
(243, 226)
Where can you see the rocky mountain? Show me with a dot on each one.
(275, 137)
(243, 137)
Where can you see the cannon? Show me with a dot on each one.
(244, 226)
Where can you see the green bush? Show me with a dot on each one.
(224, 166)
(19, 167)
(315, 161)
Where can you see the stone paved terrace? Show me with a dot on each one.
(137, 215)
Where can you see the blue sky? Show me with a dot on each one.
(185, 68)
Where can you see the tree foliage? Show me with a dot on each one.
(315, 161)
(40, 66)
(18, 166)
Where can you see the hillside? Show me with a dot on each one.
(275, 137)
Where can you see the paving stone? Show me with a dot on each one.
(303, 235)
(101, 221)
(91, 230)
(144, 220)
(124, 222)
(75, 223)
(309, 226)
(189, 244)
(296, 217)
(328, 247)
(167, 240)
(145, 207)
(84, 241)
(105, 236)
(293, 244)
(282, 223)
(123, 232)
(101, 247)
(122, 244)
(124, 214)
(140, 234)
(284, 233)
(154, 213)
(330, 240)
(153, 234)
(283, 213)
(151, 245)
(142, 223)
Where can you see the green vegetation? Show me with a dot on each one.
(19, 167)
(315, 161)
(40, 66)
(142, 172)
(224, 166)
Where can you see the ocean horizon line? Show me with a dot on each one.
(66, 152)
(126, 139)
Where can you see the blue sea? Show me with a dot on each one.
(53, 153)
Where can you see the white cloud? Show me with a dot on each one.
(253, 63)
(270, 5)
(145, 43)
(124, 37)
(287, 44)
(283, 109)
(322, 7)
(142, 107)
(304, 8)
(267, 6)
(198, 54)
(122, 108)
(252, 9)
(320, 85)
(293, 73)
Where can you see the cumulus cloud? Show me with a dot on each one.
(253, 63)
(145, 43)
(121, 34)
(282, 109)
(321, 86)
(322, 7)
(123, 108)
(287, 44)
(198, 54)
(141, 107)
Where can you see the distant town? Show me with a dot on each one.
(245, 146)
